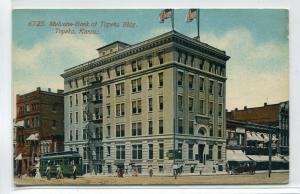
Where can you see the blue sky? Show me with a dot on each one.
(256, 40)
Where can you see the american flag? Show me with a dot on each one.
(192, 14)
(165, 14)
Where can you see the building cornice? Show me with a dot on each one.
(168, 37)
(148, 71)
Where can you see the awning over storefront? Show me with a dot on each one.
(265, 158)
(19, 157)
(236, 155)
(19, 124)
(250, 137)
(33, 137)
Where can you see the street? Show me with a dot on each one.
(261, 178)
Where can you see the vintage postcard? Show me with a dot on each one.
(150, 96)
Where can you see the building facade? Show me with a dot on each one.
(274, 115)
(158, 103)
(39, 127)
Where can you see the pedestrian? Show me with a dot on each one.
(150, 171)
(59, 174)
(48, 171)
(74, 171)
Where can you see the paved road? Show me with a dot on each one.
(262, 178)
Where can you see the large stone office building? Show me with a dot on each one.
(137, 106)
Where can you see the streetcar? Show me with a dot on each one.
(64, 159)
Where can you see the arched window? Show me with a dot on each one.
(202, 131)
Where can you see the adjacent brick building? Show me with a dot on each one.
(275, 115)
(39, 126)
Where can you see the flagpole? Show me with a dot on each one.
(172, 19)
(198, 25)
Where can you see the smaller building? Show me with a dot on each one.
(250, 142)
(39, 127)
(274, 115)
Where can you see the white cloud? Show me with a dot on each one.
(42, 64)
(257, 72)
(58, 49)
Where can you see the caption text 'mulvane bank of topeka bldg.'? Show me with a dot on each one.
(157, 103)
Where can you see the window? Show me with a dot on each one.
(53, 124)
(136, 85)
(161, 168)
(136, 129)
(71, 117)
(180, 104)
(76, 83)
(180, 126)
(108, 90)
(161, 151)
(84, 153)
(211, 68)
(96, 116)
(136, 107)
(120, 109)
(120, 153)
(136, 65)
(71, 101)
(161, 126)
(120, 88)
(83, 81)
(220, 131)
(108, 130)
(211, 132)
(219, 152)
(76, 99)
(150, 151)
(185, 58)
(210, 152)
(150, 62)
(161, 58)
(191, 154)
(220, 89)
(120, 130)
(84, 97)
(84, 134)
(108, 110)
(108, 150)
(76, 134)
(98, 95)
(180, 79)
(120, 70)
(201, 84)
(150, 127)
(191, 104)
(161, 103)
(192, 61)
(76, 117)
(191, 81)
(54, 107)
(211, 108)
(179, 153)
(220, 110)
(150, 82)
(137, 151)
(161, 79)
(211, 87)
(191, 127)
(150, 103)
(201, 107)
(71, 135)
(84, 116)
(70, 83)
(201, 64)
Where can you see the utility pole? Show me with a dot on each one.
(270, 153)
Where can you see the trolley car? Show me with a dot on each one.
(64, 159)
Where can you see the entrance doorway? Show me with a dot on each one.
(200, 152)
